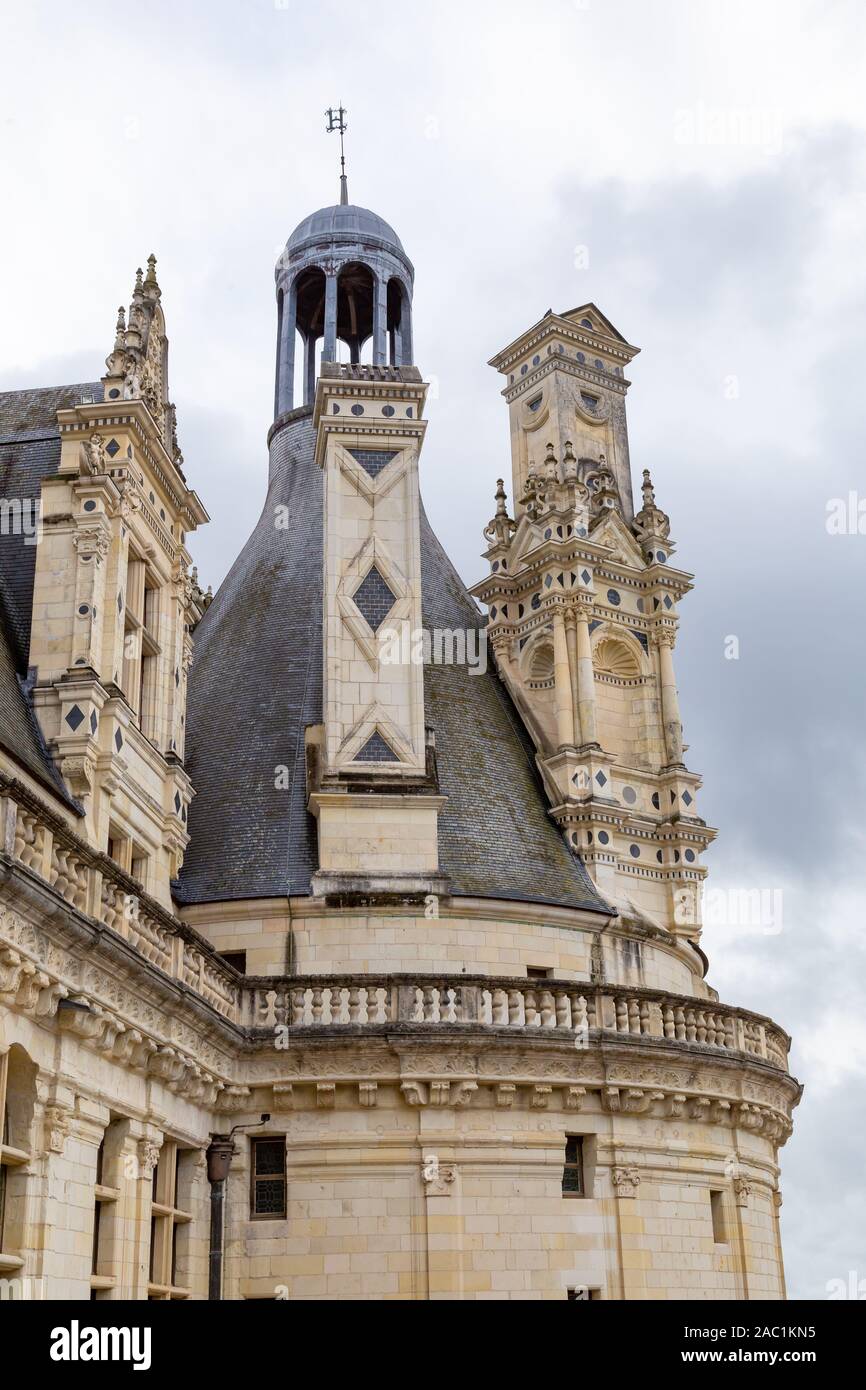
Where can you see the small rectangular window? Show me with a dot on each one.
(138, 866)
(269, 1178)
(538, 972)
(572, 1173)
(583, 1295)
(237, 959)
(717, 1208)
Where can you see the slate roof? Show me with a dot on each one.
(343, 220)
(256, 683)
(29, 452)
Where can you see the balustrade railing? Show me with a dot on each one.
(95, 886)
(327, 1001)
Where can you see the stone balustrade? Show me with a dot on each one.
(578, 1008)
(94, 886)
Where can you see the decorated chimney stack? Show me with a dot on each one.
(583, 613)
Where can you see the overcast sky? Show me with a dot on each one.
(696, 169)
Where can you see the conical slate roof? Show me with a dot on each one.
(256, 683)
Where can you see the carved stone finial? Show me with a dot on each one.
(500, 529)
(651, 524)
(139, 286)
(550, 464)
(151, 284)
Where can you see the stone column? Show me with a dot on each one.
(329, 349)
(380, 322)
(571, 640)
(585, 680)
(673, 729)
(285, 392)
(562, 683)
(72, 1131)
(406, 348)
(139, 1155)
(309, 368)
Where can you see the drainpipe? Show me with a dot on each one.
(220, 1153)
(219, 1161)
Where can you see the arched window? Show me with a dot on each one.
(309, 294)
(355, 299)
(399, 324)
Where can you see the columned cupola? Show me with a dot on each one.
(343, 278)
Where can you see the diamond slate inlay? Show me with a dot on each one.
(112, 448)
(74, 718)
(376, 750)
(374, 599)
(373, 460)
(118, 740)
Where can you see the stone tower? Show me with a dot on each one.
(428, 973)
(583, 602)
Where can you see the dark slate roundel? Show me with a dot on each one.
(629, 795)
(357, 410)
(614, 598)
(634, 851)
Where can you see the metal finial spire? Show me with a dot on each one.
(337, 121)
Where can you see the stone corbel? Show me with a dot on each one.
(463, 1093)
(414, 1092)
(368, 1094)
(283, 1095)
(234, 1099)
(540, 1097)
(505, 1093)
(611, 1099)
(326, 1095)
(574, 1097)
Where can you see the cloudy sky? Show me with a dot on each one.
(696, 169)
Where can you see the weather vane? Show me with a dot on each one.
(337, 121)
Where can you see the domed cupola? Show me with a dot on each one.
(343, 276)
